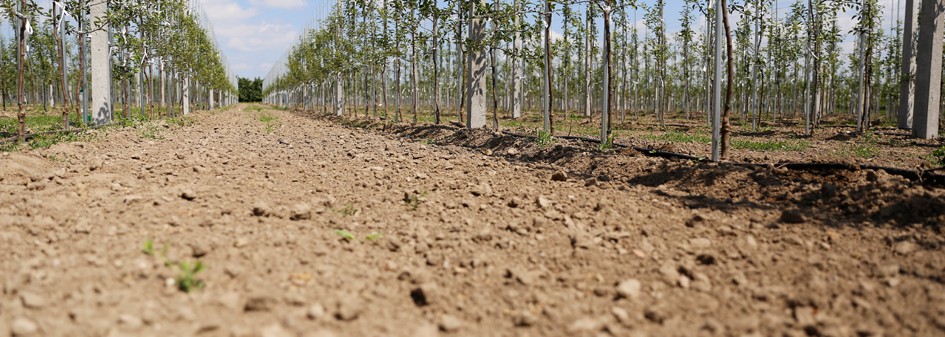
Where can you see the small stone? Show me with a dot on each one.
(275, 330)
(315, 312)
(188, 194)
(514, 202)
(449, 323)
(670, 273)
(349, 308)
(261, 209)
(559, 176)
(130, 321)
(199, 249)
(905, 247)
(424, 294)
(543, 202)
(426, 330)
(82, 226)
(32, 300)
(700, 243)
(301, 211)
(629, 289)
(259, 303)
(23, 327)
(805, 316)
(524, 319)
(321, 333)
(792, 217)
(621, 314)
(696, 220)
(585, 324)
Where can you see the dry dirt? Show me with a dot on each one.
(311, 228)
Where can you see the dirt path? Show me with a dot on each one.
(435, 241)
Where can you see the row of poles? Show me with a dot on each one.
(922, 50)
(96, 60)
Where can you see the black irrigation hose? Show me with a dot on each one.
(926, 177)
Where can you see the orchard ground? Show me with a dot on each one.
(314, 226)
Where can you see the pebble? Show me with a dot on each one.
(32, 300)
(670, 273)
(425, 294)
(315, 312)
(426, 330)
(261, 209)
(629, 289)
(700, 243)
(621, 314)
(585, 324)
(449, 323)
(188, 194)
(524, 319)
(543, 202)
(275, 330)
(792, 217)
(259, 303)
(349, 308)
(559, 176)
(23, 327)
(905, 247)
(130, 321)
(321, 333)
(301, 211)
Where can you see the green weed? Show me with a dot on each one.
(187, 277)
(373, 237)
(348, 210)
(937, 157)
(344, 234)
(679, 137)
(413, 200)
(772, 145)
(544, 138)
(271, 121)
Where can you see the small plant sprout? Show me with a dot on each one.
(544, 138)
(348, 210)
(373, 237)
(413, 200)
(148, 248)
(187, 277)
(346, 235)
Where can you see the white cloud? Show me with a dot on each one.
(284, 4)
(223, 11)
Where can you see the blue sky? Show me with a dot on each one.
(254, 34)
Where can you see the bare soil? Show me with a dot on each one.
(309, 226)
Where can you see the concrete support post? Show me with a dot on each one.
(907, 80)
(339, 96)
(928, 79)
(476, 65)
(517, 66)
(101, 94)
(185, 95)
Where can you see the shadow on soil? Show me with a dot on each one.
(830, 196)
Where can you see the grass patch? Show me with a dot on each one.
(187, 279)
(348, 210)
(271, 121)
(937, 157)
(865, 149)
(544, 138)
(771, 145)
(679, 137)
